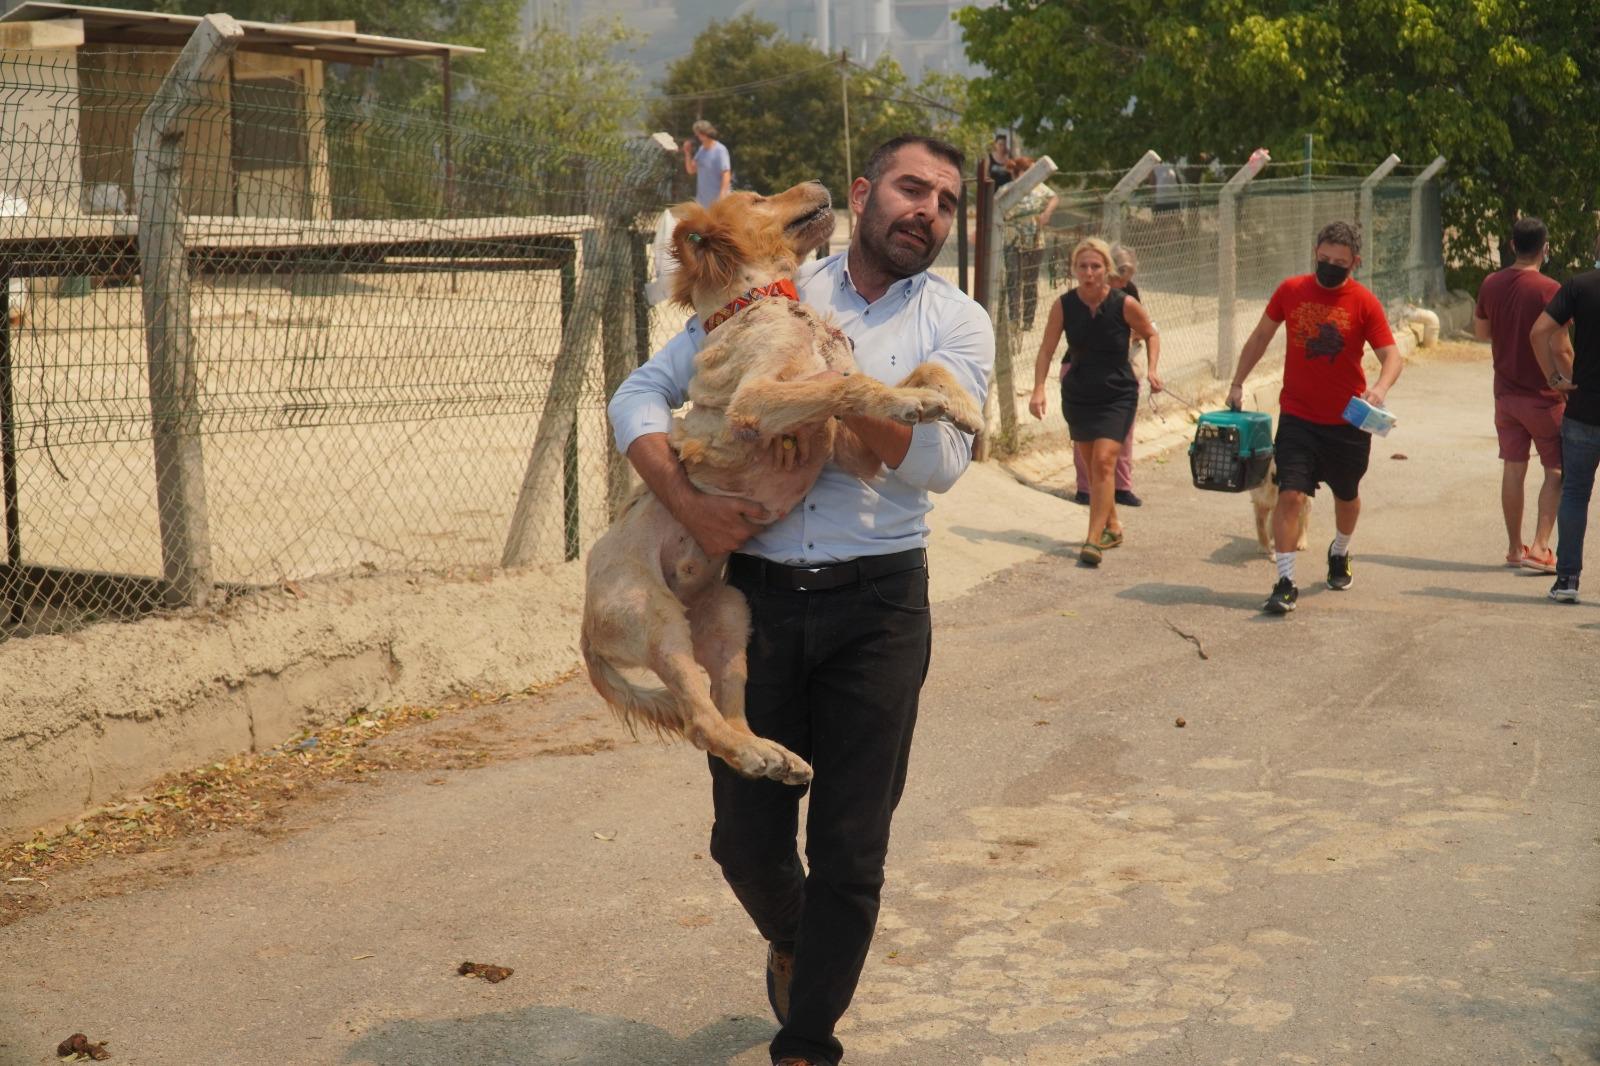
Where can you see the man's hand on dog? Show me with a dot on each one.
(721, 524)
(790, 450)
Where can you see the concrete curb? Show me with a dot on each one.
(108, 708)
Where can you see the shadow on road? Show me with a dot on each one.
(1237, 552)
(1200, 596)
(1533, 595)
(1018, 537)
(1409, 562)
(545, 1036)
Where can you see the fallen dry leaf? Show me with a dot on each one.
(605, 836)
(1399, 455)
(79, 1047)
(493, 974)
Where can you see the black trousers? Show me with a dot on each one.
(834, 676)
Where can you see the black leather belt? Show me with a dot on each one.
(776, 577)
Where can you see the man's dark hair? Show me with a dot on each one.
(1345, 233)
(881, 156)
(1528, 235)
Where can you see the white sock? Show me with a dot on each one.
(1286, 565)
(1341, 543)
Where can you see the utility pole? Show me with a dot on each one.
(849, 165)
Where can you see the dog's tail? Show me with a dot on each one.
(655, 707)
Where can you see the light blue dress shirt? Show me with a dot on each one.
(918, 320)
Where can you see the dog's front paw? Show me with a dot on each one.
(964, 415)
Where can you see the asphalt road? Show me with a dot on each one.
(1374, 840)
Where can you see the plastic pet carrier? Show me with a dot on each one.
(1231, 450)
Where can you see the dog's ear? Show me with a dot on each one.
(709, 252)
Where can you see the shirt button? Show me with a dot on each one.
(812, 507)
(810, 545)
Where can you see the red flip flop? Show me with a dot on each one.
(1545, 564)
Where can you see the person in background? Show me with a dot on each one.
(997, 159)
(1100, 395)
(1127, 265)
(710, 164)
(1024, 247)
(1572, 366)
(1527, 412)
(1331, 318)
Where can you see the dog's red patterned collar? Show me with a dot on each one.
(782, 287)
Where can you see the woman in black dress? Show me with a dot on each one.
(1101, 395)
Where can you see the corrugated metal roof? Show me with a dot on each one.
(109, 25)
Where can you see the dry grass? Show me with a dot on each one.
(1458, 348)
(253, 792)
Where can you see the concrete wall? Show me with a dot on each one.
(86, 715)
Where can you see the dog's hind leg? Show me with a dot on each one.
(1263, 525)
(673, 658)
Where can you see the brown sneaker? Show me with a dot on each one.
(780, 971)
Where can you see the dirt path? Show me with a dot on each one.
(1373, 840)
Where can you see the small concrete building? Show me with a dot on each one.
(74, 82)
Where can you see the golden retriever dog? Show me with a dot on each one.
(1263, 498)
(760, 426)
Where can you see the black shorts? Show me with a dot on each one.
(1309, 452)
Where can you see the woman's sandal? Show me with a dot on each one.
(1090, 554)
(1109, 539)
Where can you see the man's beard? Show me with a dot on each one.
(896, 258)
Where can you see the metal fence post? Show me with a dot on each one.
(164, 276)
(605, 257)
(1369, 238)
(1227, 257)
(1418, 285)
(1003, 386)
(1116, 200)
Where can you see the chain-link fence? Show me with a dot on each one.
(1208, 260)
(255, 331)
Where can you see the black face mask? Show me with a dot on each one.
(1331, 275)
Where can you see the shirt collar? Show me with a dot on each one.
(903, 289)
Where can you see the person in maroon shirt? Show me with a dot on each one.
(1330, 319)
(1527, 412)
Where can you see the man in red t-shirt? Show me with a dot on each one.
(1526, 410)
(1331, 319)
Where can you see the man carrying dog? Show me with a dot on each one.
(1527, 412)
(838, 591)
(1331, 318)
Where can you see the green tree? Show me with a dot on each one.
(1506, 90)
(779, 105)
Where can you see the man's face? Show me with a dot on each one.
(904, 216)
(1338, 255)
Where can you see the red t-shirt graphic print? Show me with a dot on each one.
(1327, 331)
